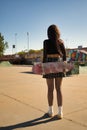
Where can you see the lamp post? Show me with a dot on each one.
(28, 42)
(16, 42)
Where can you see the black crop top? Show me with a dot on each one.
(49, 47)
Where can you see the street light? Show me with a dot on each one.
(28, 41)
(16, 41)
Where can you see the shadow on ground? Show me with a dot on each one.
(27, 72)
(37, 121)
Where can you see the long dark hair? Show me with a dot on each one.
(53, 32)
(54, 35)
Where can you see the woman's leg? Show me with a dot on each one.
(50, 84)
(58, 82)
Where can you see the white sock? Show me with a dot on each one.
(50, 110)
(60, 110)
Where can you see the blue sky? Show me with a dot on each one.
(34, 16)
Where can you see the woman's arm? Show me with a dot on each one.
(44, 52)
(63, 51)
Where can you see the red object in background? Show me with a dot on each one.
(37, 68)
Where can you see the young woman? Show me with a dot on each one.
(53, 50)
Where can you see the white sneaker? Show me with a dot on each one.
(60, 115)
(50, 114)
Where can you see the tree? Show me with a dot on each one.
(21, 53)
(3, 45)
(35, 51)
(31, 51)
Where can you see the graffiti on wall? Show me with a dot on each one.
(77, 55)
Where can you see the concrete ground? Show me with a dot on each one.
(23, 101)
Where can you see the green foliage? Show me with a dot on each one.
(35, 51)
(31, 51)
(3, 45)
(21, 53)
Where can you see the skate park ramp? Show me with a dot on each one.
(5, 64)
